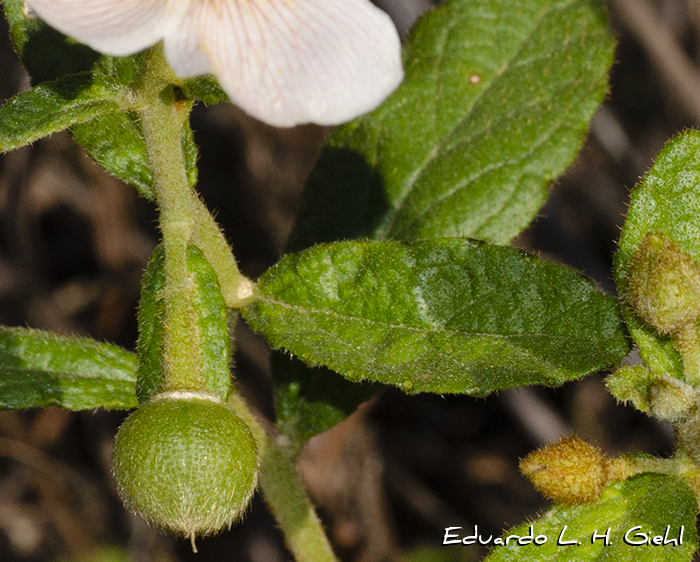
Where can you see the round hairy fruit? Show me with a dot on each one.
(185, 463)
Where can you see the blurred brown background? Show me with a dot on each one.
(74, 243)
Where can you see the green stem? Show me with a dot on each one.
(682, 464)
(235, 287)
(184, 219)
(626, 466)
(285, 494)
(162, 119)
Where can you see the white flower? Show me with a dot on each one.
(283, 61)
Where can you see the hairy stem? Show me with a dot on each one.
(162, 119)
(682, 464)
(235, 287)
(285, 494)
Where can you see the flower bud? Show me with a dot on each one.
(672, 400)
(569, 472)
(663, 284)
(185, 463)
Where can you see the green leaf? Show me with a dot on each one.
(55, 106)
(656, 350)
(442, 315)
(43, 369)
(666, 201)
(116, 143)
(310, 400)
(494, 106)
(204, 88)
(648, 504)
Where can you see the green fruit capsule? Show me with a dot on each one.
(185, 463)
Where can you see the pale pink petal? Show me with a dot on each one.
(113, 27)
(291, 61)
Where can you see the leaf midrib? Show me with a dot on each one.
(308, 311)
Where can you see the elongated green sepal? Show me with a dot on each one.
(210, 339)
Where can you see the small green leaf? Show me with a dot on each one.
(210, 336)
(116, 143)
(43, 369)
(191, 153)
(204, 88)
(442, 315)
(666, 201)
(494, 106)
(55, 106)
(310, 400)
(656, 350)
(649, 505)
(88, 92)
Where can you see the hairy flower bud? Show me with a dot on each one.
(662, 396)
(663, 285)
(569, 472)
(185, 463)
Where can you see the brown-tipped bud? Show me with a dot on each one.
(663, 284)
(569, 472)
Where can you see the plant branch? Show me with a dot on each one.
(235, 287)
(162, 118)
(285, 494)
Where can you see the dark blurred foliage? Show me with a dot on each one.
(73, 245)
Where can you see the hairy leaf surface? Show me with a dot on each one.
(665, 201)
(442, 315)
(494, 106)
(43, 369)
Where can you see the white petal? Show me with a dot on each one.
(114, 27)
(291, 61)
